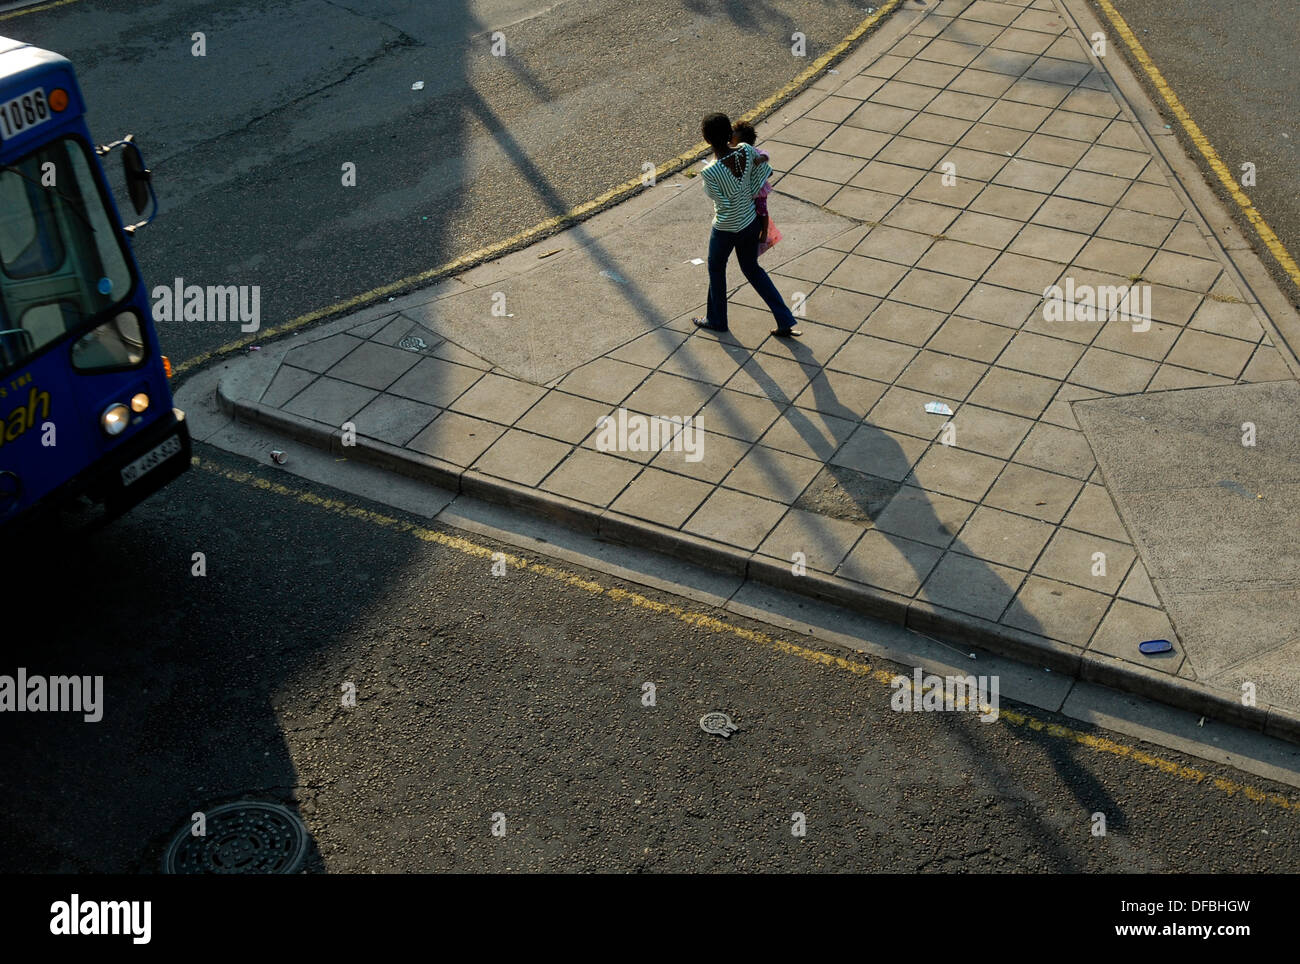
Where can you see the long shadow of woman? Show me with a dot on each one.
(887, 483)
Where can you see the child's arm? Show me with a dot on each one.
(762, 174)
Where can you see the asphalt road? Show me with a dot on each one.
(1234, 68)
(518, 694)
(248, 142)
(476, 694)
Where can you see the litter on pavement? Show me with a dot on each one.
(718, 723)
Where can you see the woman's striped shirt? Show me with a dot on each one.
(733, 197)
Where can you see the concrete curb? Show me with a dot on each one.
(916, 614)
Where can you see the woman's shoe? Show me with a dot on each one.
(791, 332)
(704, 323)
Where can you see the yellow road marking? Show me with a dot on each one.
(1275, 246)
(713, 624)
(617, 193)
(44, 6)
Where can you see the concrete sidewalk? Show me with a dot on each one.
(960, 163)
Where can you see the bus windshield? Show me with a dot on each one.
(61, 259)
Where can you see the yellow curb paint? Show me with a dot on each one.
(820, 63)
(1275, 246)
(619, 192)
(713, 624)
(44, 6)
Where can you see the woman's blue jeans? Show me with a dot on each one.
(745, 243)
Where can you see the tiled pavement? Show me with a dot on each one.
(822, 447)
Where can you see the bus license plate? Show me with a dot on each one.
(151, 460)
(23, 113)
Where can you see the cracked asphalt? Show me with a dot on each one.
(248, 142)
(519, 695)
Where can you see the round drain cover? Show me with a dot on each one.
(247, 837)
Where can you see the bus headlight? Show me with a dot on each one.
(115, 419)
(139, 402)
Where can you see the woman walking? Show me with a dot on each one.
(731, 180)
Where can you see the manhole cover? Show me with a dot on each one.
(241, 838)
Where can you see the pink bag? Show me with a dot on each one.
(773, 236)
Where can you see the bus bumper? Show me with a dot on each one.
(107, 484)
(104, 482)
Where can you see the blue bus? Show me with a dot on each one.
(85, 408)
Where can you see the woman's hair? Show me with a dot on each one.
(716, 129)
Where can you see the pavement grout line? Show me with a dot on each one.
(1161, 360)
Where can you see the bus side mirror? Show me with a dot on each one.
(138, 177)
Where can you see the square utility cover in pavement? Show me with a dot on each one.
(1207, 480)
(602, 291)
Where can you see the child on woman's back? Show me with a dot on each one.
(768, 235)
